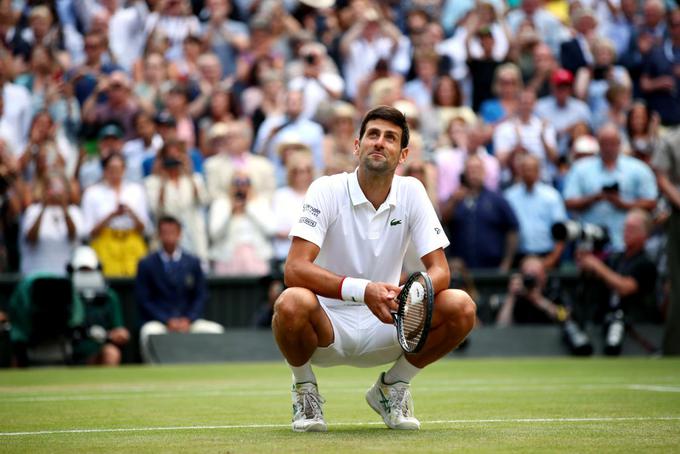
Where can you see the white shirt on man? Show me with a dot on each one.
(356, 240)
(100, 199)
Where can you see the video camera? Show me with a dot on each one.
(587, 236)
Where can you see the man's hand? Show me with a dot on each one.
(588, 262)
(119, 336)
(179, 324)
(515, 284)
(380, 299)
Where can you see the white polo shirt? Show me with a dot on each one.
(356, 240)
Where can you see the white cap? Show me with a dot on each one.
(84, 257)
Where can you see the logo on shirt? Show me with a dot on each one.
(306, 208)
(437, 230)
(395, 222)
(308, 221)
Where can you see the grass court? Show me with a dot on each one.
(464, 405)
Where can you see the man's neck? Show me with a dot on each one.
(376, 187)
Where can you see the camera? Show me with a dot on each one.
(310, 59)
(613, 187)
(171, 163)
(588, 236)
(529, 281)
(240, 195)
(463, 180)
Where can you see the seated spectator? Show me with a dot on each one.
(642, 131)
(16, 112)
(240, 231)
(120, 105)
(177, 105)
(166, 126)
(561, 109)
(102, 333)
(602, 189)
(50, 228)
(537, 207)
(288, 200)
(170, 289)
(482, 221)
(109, 142)
(116, 219)
(578, 52)
(528, 300)
(526, 133)
(144, 147)
(622, 287)
(176, 190)
(230, 152)
(222, 106)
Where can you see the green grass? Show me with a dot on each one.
(565, 405)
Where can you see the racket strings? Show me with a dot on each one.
(413, 320)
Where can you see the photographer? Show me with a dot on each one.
(527, 301)
(601, 189)
(102, 333)
(240, 229)
(624, 283)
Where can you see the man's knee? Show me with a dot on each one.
(294, 305)
(459, 311)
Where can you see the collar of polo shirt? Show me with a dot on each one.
(358, 197)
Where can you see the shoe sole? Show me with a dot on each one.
(314, 427)
(377, 410)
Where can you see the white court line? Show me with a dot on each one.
(359, 423)
(656, 388)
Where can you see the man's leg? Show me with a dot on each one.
(300, 326)
(452, 321)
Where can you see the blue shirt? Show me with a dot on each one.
(587, 177)
(536, 210)
(479, 227)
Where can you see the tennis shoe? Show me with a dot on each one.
(394, 403)
(307, 411)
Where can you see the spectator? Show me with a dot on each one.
(562, 110)
(419, 89)
(602, 189)
(144, 147)
(623, 284)
(642, 131)
(482, 221)
(10, 210)
(172, 20)
(240, 231)
(544, 65)
(507, 82)
(526, 133)
(368, 40)
(149, 87)
(230, 150)
(16, 113)
(287, 201)
(116, 219)
(529, 301)
(318, 83)
(277, 127)
(547, 25)
(177, 104)
(109, 142)
(176, 190)
(578, 52)
(166, 126)
(467, 139)
(660, 78)
(221, 107)
(91, 74)
(666, 163)
(50, 228)
(482, 64)
(339, 141)
(120, 105)
(594, 80)
(43, 152)
(102, 333)
(170, 289)
(537, 207)
(227, 37)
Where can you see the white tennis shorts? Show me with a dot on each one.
(360, 339)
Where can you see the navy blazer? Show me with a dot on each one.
(571, 56)
(161, 296)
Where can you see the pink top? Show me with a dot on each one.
(450, 165)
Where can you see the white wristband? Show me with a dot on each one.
(353, 289)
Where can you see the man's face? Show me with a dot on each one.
(294, 103)
(610, 144)
(474, 172)
(169, 235)
(530, 171)
(562, 92)
(634, 234)
(379, 150)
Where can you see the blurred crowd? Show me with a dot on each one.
(220, 113)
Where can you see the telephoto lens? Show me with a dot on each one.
(576, 339)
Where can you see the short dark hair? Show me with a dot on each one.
(168, 219)
(391, 115)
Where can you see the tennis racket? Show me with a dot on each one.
(414, 316)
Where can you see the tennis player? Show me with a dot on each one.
(342, 274)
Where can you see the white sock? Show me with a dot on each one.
(303, 374)
(402, 371)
